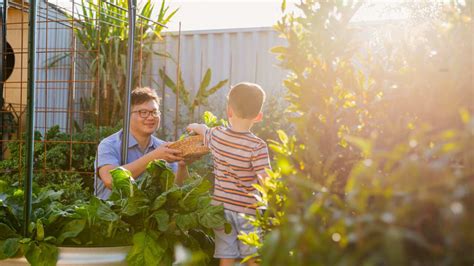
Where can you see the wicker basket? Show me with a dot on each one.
(191, 147)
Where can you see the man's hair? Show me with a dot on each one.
(246, 100)
(142, 95)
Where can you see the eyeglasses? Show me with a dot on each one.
(146, 113)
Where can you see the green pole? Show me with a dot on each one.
(132, 7)
(30, 140)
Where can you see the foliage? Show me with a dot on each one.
(274, 117)
(200, 99)
(58, 159)
(153, 216)
(375, 174)
(103, 34)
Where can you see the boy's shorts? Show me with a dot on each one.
(227, 245)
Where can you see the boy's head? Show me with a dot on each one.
(246, 100)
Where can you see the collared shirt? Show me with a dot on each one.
(110, 152)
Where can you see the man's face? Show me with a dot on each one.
(142, 119)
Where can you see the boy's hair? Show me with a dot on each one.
(142, 95)
(246, 99)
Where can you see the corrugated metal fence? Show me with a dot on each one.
(233, 54)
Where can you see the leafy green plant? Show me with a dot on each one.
(200, 99)
(374, 174)
(59, 157)
(153, 215)
(169, 214)
(102, 31)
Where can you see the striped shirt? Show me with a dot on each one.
(238, 158)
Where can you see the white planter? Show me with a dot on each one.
(113, 256)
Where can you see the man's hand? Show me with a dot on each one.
(198, 128)
(167, 154)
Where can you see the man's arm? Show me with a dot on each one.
(138, 166)
(182, 173)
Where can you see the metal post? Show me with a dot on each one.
(178, 72)
(31, 113)
(128, 85)
(3, 50)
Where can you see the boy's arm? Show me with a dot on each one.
(198, 128)
(260, 161)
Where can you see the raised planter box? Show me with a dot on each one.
(75, 256)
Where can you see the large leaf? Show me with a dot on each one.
(6, 232)
(187, 221)
(9, 248)
(71, 229)
(212, 217)
(159, 201)
(162, 219)
(194, 191)
(121, 183)
(145, 251)
(104, 212)
(135, 205)
(160, 179)
(41, 253)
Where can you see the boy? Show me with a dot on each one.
(240, 158)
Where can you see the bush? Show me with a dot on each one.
(379, 170)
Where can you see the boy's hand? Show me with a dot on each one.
(198, 128)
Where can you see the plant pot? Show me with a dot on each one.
(74, 256)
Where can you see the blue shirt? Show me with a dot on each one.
(110, 152)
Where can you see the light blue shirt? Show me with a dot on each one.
(110, 152)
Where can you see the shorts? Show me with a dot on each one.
(228, 246)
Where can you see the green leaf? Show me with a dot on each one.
(283, 137)
(212, 217)
(209, 118)
(71, 229)
(227, 228)
(203, 202)
(121, 183)
(215, 88)
(105, 213)
(145, 251)
(41, 254)
(160, 179)
(250, 239)
(279, 49)
(39, 230)
(187, 221)
(204, 83)
(162, 219)
(9, 248)
(135, 205)
(159, 201)
(6, 231)
(193, 192)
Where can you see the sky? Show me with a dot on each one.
(221, 14)
(224, 14)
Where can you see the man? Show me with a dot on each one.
(143, 147)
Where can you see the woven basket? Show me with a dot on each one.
(191, 147)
